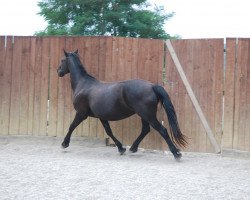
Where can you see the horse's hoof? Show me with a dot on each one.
(133, 150)
(122, 151)
(177, 156)
(64, 145)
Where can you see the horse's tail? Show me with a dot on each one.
(175, 131)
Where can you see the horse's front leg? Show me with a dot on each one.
(78, 119)
(110, 134)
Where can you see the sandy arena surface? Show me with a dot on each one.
(37, 168)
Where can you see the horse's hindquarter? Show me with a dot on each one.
(142, 97)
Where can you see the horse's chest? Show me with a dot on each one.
(80, 103)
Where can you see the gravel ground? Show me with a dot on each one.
(37, 168)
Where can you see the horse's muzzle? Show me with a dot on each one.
(60, 74)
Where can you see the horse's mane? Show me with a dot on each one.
(78, 63)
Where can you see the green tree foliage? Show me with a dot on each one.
(127, 18)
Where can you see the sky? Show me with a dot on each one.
(192, 19)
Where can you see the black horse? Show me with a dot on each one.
(119, 100)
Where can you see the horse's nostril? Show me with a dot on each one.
(61, 74)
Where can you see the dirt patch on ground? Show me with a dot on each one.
(37, 168)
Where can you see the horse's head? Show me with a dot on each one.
(64, 66)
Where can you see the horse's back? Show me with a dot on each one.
(138, 89)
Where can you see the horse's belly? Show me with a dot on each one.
(118, 117)
(112, 115)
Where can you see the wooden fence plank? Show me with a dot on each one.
(108, 61)
(239, 134)
(37, 86)
(227, 142)
(205, 83)
(53, 84)
(15, 86)
(219, 87)
(2, 64)
(95, 52)
(61, 91)
(44, 69)
(31, 80)
(7, 85)
(189, 110)
(24, 84)
(247, 124)
(236, 102)
(102, 58)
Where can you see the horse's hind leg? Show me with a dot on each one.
(110, 134)
(164, 133)
(78, 119)
(145, 130)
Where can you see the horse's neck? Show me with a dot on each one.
(74, 80)
(75, 74)
(79, 76)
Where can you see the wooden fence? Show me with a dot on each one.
(202, 62)
(28, 79)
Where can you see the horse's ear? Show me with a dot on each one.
(65, 53)
(76, 51)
